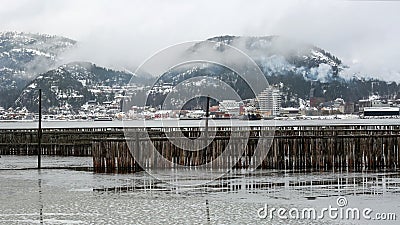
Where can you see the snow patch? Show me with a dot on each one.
(322, 72)
(83, 82)
(32, 86)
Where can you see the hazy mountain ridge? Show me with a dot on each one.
(25, 55)
(72, 84)
(31, 53)
(275, 55)
(296, 67)
(278, 55)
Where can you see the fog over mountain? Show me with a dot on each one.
(121, 34)
(32, 61)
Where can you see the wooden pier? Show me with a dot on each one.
(60, 142)
(333, 147)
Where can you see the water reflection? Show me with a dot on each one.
(40, 200)
(69, 196)
(277, 184)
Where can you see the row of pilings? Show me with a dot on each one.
(55, 141)
(352, 147)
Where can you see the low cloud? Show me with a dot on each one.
(122, 34)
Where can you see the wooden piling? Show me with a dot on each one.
(335, 147)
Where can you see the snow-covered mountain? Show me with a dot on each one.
(73, 84)
(29, 61)
(279, 59)
(299, 69)
(23, 56)
(277, 55)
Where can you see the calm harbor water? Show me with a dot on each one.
(71, 196)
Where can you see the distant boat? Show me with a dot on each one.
(190, 118)
(251, 117)
(103, 118)
(381, 111)
(269, 117)
(211, 118)
(223, 118)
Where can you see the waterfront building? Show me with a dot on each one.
(269, 101)
(372, 101)
(231, 107)
(290, 112)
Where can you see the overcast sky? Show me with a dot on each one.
(364, 34)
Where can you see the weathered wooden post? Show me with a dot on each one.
(206, 130)
(208, 211)
(39, 153)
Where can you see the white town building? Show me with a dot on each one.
(269, 101)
